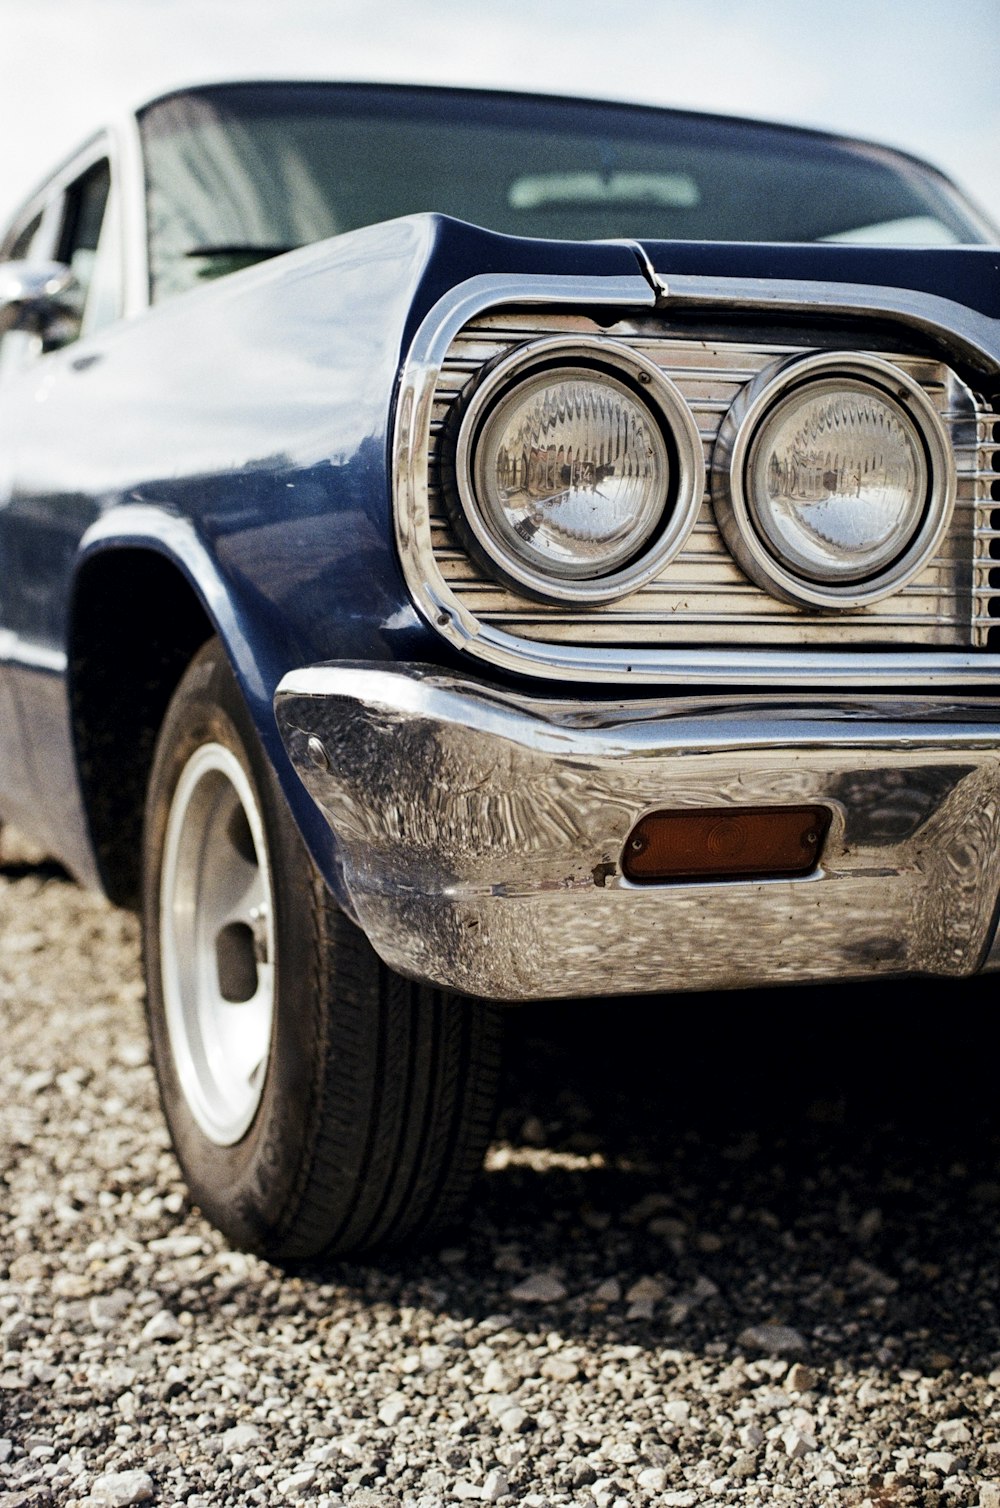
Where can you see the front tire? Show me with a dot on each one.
(319, 1104)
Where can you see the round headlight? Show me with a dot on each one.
(580, 478)
(573, 471)
(837, 480)
(834, 482)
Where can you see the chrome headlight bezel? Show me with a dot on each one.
(672, 418)
(736, 509)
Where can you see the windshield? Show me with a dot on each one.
(242, 172)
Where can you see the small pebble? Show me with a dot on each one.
(777, 1340)
(542, 1288)
(800, 1378)
(163, 1326)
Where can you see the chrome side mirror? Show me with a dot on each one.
(42, 298)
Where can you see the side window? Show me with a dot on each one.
(86, 202)
(89, 244)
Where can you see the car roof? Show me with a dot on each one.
(705, 118)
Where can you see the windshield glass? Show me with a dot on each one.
(242, 172)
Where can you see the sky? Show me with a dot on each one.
(923, 75)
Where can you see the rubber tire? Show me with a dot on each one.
(379, 1094)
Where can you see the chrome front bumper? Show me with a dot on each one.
(481, 832)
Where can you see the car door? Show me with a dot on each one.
(46, 496)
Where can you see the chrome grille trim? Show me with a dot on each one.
(722, 627)
(702, 596)
(984, 476)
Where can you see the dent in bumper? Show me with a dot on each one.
(481, 831)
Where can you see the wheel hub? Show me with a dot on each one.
(217, 943)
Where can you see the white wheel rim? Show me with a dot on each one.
(217, 943)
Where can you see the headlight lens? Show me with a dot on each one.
(572, 472)
(579, 470)
(837, 480)
(833, 480)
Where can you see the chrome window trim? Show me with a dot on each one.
(734, 510)
(132, 177)
(953, 327)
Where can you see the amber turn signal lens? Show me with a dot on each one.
(721, 843)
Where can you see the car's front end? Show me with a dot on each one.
(712, 555)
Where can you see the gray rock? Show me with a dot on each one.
(16, 1331)
(495, 1379)
(241, 1438)
(164, 1327)
(953, 1432)
(513, 1420)
(496, 1485)
(776, 1340)
(178, 1246)
(120, 1489)
(560, 1369)
(298, 1482)
(869, 1225)
(392, 1409)
(541, 1288)
(871, 1279)
(941, 1460)
(800, 1378)
(653, 1479)
(645, 1290)
(797, 1443)
(647, 1206)
(677, 1411)
(107, 1309)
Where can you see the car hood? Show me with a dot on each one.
(968, 275)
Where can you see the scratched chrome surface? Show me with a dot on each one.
(481, 831)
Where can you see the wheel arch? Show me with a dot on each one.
(136, 621)
(146, 595)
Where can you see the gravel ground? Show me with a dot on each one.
(726, 1250)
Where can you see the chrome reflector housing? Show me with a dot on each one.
(579, 470)
(832, 480)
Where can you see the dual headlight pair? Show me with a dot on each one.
(580, 470)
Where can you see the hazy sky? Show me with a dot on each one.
(921, 74)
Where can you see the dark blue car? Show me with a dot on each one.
(462, 548)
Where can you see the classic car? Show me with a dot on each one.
(459, 549)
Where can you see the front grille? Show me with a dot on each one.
(988, 529)
(702, 597)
